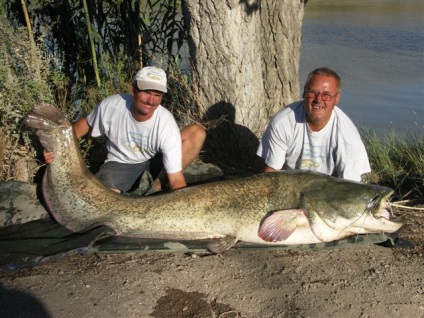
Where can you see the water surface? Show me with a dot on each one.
(377, 47)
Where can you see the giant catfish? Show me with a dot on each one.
(281, 208)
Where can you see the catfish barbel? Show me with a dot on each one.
(279, 208)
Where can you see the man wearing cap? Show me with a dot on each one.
(138, 127)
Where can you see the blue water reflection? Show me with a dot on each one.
(379, 53)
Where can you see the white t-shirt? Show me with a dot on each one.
(336, 150)
(130, 141)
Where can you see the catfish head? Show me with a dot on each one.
(348, 207)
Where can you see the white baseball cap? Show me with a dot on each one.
(151, 77)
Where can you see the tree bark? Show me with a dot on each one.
(245, 56)
(245, 64)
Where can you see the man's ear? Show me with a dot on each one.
(338, 98)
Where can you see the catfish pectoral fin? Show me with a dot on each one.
(220, 245)
(280, 225)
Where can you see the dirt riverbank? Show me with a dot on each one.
(357, 281)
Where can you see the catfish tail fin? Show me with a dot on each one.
(45, 116)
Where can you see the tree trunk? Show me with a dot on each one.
(246, 55)
(245, 63)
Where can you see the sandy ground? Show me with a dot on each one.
(358, 281)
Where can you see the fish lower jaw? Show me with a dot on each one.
(385, 219)
(384, 215)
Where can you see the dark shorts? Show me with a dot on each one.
(124, 176)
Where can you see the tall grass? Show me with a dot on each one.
(397, 161)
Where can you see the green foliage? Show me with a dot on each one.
(180, 100)
(115, 79)
(396, 162)
(19, 86)
(20, 90)
(117, 28)
(162, 28)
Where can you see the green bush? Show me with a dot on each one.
(23, 84)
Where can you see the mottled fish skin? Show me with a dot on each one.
(281, 208)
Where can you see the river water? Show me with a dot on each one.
(377, 47)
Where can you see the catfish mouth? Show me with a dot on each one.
(380, 208)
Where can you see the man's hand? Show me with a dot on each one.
(269, 169)
(176, 180)
(48, 156)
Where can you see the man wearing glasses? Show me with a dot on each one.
(314, 134)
